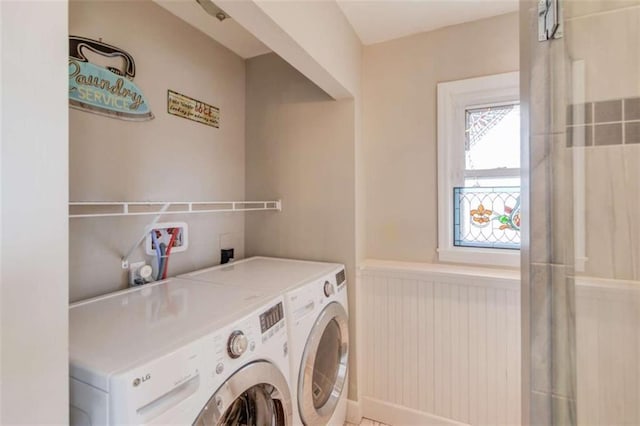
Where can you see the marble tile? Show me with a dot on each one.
(539, 89)
(540, 199)
(563, 411)
(540, 320)
(563, 353)
(606, 111)
(561, 204)
(607, 134)
(540, 409)
(559, 80)
(632, 132)
(580, 113)
(632, 109)
(367, 422)
(576, 9)
(579, 136)
(607, 43)
(613, 233)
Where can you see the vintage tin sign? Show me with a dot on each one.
(102, 90)
(192, 109)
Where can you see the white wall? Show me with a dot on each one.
(399, 126)
(313, 36)
(323, 31)
(34, 255)
(440, 344)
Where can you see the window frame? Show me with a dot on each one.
(454, 98)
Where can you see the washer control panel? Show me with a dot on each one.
(271, 317)
(237, 343)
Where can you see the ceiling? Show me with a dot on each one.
(228, 33)
(374, 21)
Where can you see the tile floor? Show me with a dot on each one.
(367, 422)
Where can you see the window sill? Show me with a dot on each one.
(483, 256)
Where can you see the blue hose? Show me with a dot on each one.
(163, 260)
(159, 254)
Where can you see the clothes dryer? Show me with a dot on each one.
(176, 352)
(319, 340)
(316, 307)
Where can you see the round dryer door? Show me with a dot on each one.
(256, 395)
(323, 371)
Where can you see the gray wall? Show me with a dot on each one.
(168, 158)
(300, 147)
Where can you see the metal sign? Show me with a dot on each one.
(107, 91)
(192, 109)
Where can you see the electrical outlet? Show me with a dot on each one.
(228, 243)
(164, 233)
(226, 255)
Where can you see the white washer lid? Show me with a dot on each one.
(122, 330)
(264, 273)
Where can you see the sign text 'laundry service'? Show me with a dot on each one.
(105, 90)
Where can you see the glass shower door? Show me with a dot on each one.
(602, 39)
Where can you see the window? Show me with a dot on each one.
(479, 170)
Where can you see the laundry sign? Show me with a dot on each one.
(192, 109)
(104, 90)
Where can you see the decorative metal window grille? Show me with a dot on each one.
(481, 120)
(487, 217)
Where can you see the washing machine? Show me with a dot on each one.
(176, 352)
(316, 307)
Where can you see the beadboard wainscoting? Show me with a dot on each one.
(608, 351)
(439, 344)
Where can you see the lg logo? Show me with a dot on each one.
(138, 380)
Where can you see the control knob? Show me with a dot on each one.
(328, 289)
(237, 344)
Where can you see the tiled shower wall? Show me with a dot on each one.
(581, 256)
(611, 122)
(548, 333)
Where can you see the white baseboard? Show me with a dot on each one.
(354, 413)
(397, 415)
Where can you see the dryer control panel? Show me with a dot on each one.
(311, 298)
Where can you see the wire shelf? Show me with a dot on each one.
(87, 209)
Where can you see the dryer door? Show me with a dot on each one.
(323, 370)
(255, 395)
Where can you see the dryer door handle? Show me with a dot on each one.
(301, 312)
(169, 399)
